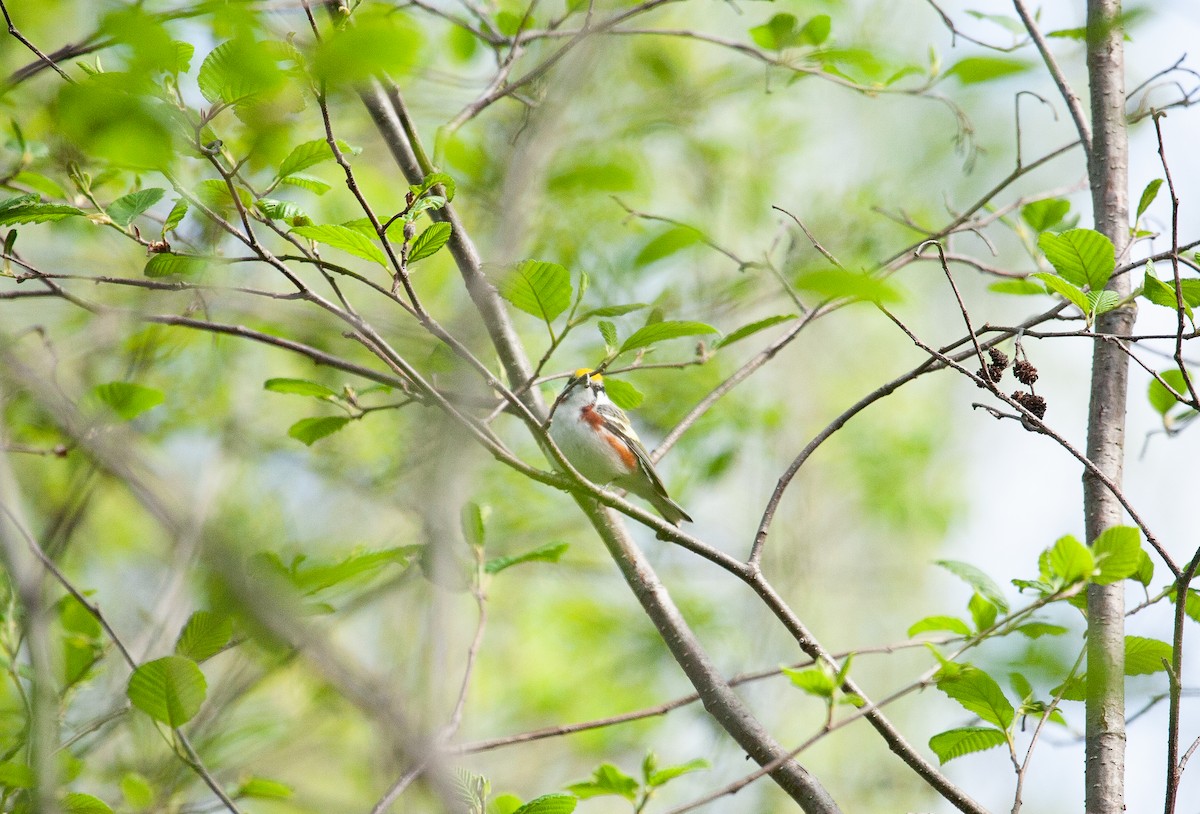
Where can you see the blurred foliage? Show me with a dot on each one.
(621, 199)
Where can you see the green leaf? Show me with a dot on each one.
(214, 193)
(471, 519)
(16, 775)
(175, 217)
(668, 773)
(1118, 552)
(286, 211)
(238, 70)
(777, 33)
(753, 328)
(299, 387)
(341, 237)
(1074, 689)
(1148, 196)
(75, 802)
(1022, 286)
(428, 242)
(983, 611)
(205, 634)
(931, 623)
(310, 430)
(667, 243)
(432, 180)
(606, 780)
(1067, 290)
(43, 184)
(1145, 569)
(550, 552)
(1035, 630)
(137, 791)
(613, 310)
(608, 332)
(958, 742)
(375, 43)
(128, 400)
(1103, 301)
(1145, 656)
(1046, 214)
(123, 210)
(262, 788)
(1070, 560)
(1081, 256)
(538, 288)
(623, 394)
(170, 690)
(814, 681)
(1011, 24)
(973, 70)
(549, 804)
(1161, 399)
(978, 692)
(661, 331)
(816, 30)
(307, 182)
(27, 209)
(978, 580)
(166, 264)
(839, 283)
(311, 153)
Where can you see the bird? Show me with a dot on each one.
(596, 437)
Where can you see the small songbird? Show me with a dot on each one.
(595, 436)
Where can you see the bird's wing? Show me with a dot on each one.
(616, 422)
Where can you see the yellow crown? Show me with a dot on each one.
(588, 373)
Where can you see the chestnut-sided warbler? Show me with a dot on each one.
(595, 436)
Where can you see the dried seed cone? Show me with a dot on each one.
(1032, 403)
(1025, 372)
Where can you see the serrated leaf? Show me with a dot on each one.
(205, 634)
(666, 243)
(285, 211)
(166, 264)
(214, 193)
(1145, 569)
(170, 689)
(608, 331)
(813, 681)
(75, 802)
(549, 804)
(963, 741)
(978, 693)
(238, 70)
(840, 283)
(310, 430)
(264, 789)
(341, 237)
(1065, 289)
(1118, 552)
(175, 216)
(623, 394)
(128, 400)
(1103, 301)
(973, 70)
(538, 288)
(1046, 214)
(28, 209)
(978, 580)
(607, 779)
(311, 153)
(1148, 196)
(1145, 656)
(307, 182)
(550, 552)
(931, 623)
(662, 331)
(1022, 287)
(299, 387)
(753, 328)
(613, 310)
(1070, 560)
(430, 181)
(983, 611)
(1081, 256)
(1020, 685)
(123, 210)
(660, 776)
(1161, 399)
(43, 184)
(428, 242)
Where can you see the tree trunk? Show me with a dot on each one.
(1108, 174)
